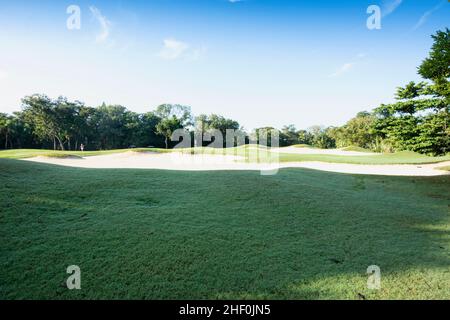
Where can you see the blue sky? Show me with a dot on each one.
(261, 62)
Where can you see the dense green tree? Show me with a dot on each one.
(305, 137)
(42, 113)
(146, 135)
(173, 117)
(358, 131)
(5, 128)
(265, 133)
(21, 134)
(68, 124)
(321, 137)
(205, 124)
(436, 68)
(166, 127)
(419, 120)
(288, 135)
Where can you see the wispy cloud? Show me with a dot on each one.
(234, 1)
(105, 24)
(389, 6)
(174, 49)
(423, 19)
(346, 67)
(342, 69)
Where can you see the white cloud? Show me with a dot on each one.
(105, 24)
(234, 1)
(348, 65)
(343, 69)
(389, 6)
(173, 49)
(423, 19)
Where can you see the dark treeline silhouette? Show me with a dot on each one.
(61, 124)
(418, 120)
(65, 125)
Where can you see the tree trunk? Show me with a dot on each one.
(61, 145)
(167, 145)
(6, 140)
(69, 144)
(445, 131)
(54, 143)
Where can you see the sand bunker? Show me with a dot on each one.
(198, 162)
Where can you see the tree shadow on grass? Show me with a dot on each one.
(149, 234)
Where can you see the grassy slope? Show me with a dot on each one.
(30, 153)
(301, 234)
(303, 145)
(404, 157)
(355, 148)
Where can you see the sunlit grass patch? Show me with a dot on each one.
(150, 234)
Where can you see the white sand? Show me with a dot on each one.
(188, 162)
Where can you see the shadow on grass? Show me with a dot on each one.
(149, 234)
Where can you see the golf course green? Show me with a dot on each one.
(150, 234)
(248, 152)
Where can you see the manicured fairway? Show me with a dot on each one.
(249, 153)
(150, 234)
(30, 153)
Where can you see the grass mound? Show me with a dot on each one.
(149, 150)
(62, 156)
(302, 146)
(356, 148)
(404, 157)
(31, 153)
(247, 151)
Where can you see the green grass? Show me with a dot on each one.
(405, 157)
(30, 153)
(355, 148)
(251, 152)
(301, 234)
(248, 152)
(302, 145)
(62, 156)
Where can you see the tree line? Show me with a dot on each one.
(417, 121)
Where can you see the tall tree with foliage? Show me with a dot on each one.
(289, 135)
(46, 118)
(358, 131)
(5, 128)
(321, 137)
(264, 134)
(419, 120)
(173, 117)
(206, 124)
